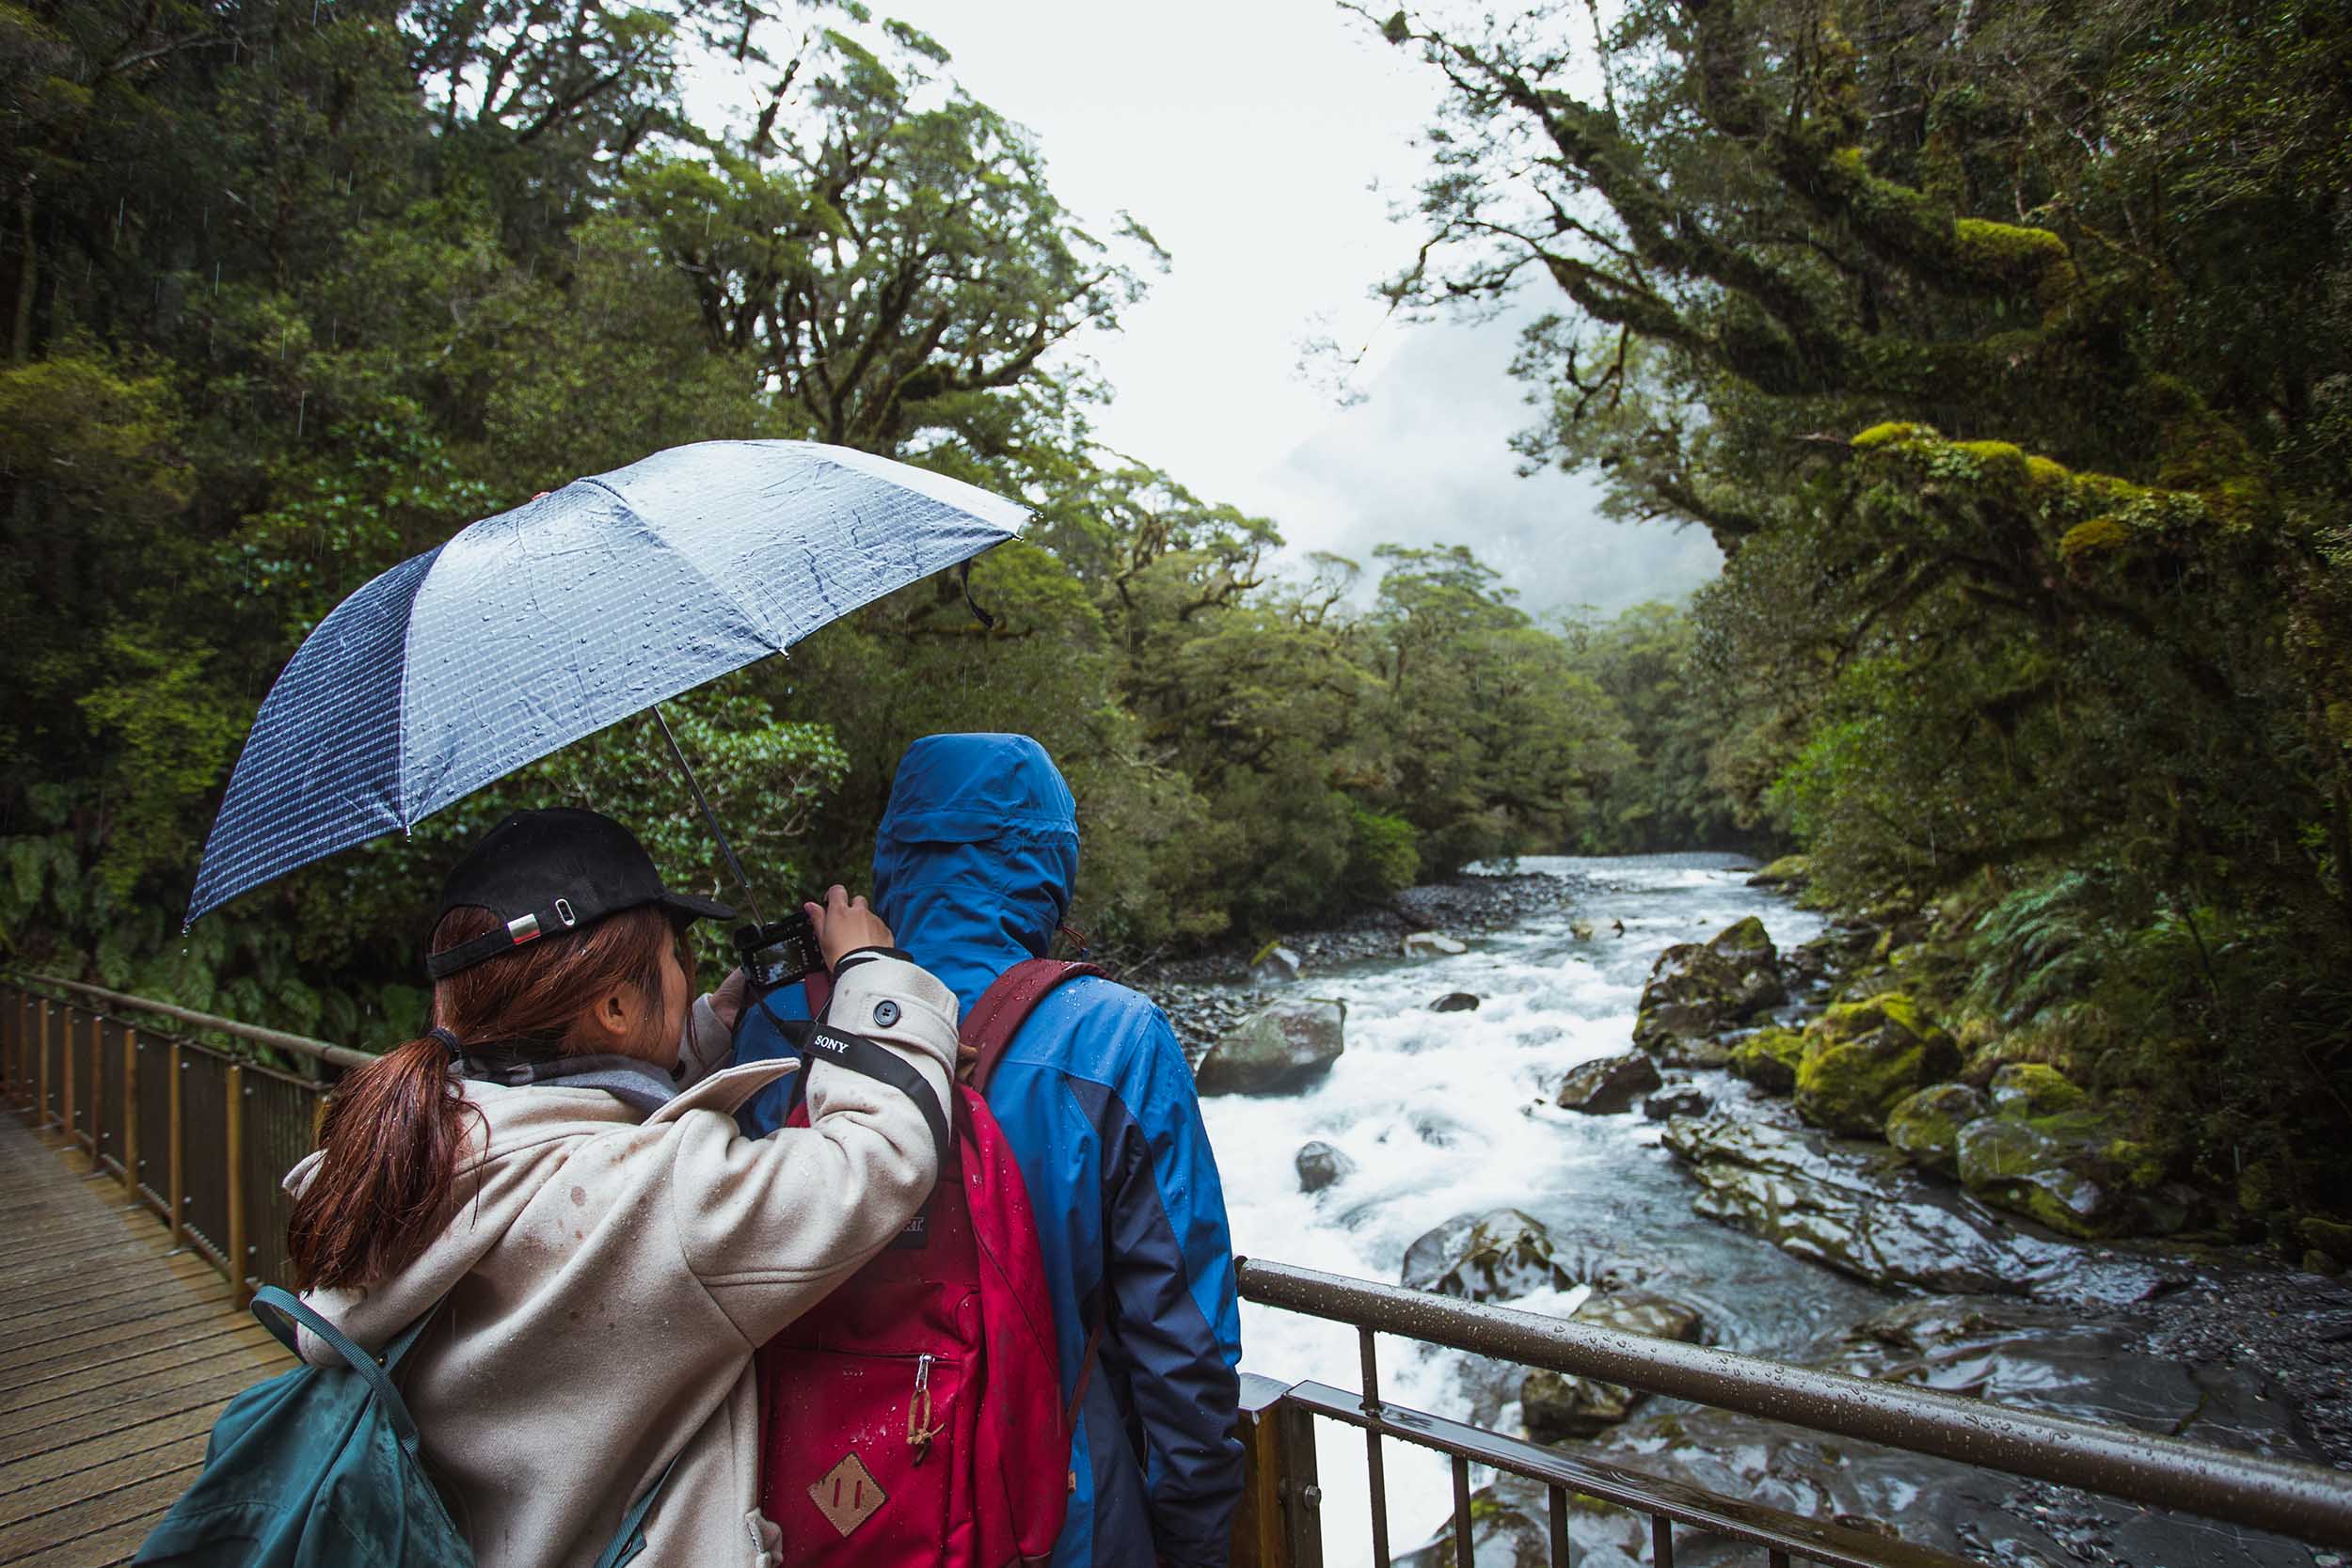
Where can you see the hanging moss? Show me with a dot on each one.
(2011, 254)
(1893, 433)
(2104, 532)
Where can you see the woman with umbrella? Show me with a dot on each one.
(550, 1186)
(553, 1178)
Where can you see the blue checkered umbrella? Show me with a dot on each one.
(535, 628)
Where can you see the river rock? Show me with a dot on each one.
(1608, 1086)
(1423, 944)
(1698, 991)
(1677, 1100)
(1277, 1049)
(1769, 1058)
(2032, 1089)
(1554, 1405)
(1319, 1165)
(1502, 1536)
(1581, 929)
(2057, 1169)
(1792, 871)
(1490, 1257)
(1275, 965)
(1858, 1209)
(2047, 1152)
(1456, 1002)
(1860, 1058)
(1927, 1125)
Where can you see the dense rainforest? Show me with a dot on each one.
(2005, 348)
(2001, 344)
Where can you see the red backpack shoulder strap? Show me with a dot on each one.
(1001, 1010)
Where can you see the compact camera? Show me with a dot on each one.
(779, 954)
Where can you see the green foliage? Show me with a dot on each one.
(2028, 446)
(1384, 859)
(294, 294)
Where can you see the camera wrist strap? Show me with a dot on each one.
(818, 1040)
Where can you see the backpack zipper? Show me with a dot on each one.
(919, 1430)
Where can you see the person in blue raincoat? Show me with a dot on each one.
(973, 869)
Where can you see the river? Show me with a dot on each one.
(1449, 1113)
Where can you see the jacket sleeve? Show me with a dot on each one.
(770, 1224)
(1174, 1323)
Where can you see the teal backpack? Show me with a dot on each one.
(319, 1467)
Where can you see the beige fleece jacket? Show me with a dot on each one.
(611, 1273)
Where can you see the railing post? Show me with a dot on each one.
(235, 1246)
(131, 1113)
(97, 1093)
(1279, 1524)
(66, 1054)
(178, 1195)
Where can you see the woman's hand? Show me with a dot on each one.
(726, 1003)
(844, 925)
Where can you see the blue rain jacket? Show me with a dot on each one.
(973, 869)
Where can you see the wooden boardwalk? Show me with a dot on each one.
(116, 1353)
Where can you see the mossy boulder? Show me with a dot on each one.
(2049, 1153)
(1862, 1059)
(2051, 1169)
(1790, 872)
(1925, 1125)
(2032, 1089)
(1769, 1058)
(2332, 1237)
(1698, 991)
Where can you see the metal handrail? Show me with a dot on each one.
(2308, 1502)
(300, 1045)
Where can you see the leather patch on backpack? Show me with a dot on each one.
(849, 1495)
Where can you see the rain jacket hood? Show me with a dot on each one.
(976, 855)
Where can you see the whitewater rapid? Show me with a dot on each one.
(1445, 1113)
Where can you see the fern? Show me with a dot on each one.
(2039, 947)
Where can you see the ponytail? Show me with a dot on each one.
(390, 1138)
(395, 1130)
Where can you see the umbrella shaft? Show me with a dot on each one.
(751, 899)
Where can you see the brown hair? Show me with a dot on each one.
(394, 1129)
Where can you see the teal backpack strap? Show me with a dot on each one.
(630, 1538)
(273, 1307)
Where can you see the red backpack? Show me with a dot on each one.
(914, 1416)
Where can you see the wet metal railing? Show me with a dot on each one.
(1281, 1515)
(196, 1133)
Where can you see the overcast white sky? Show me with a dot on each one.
(1264, 143)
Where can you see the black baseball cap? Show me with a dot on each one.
(548, 872)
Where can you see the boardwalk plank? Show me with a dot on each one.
(116, 1351)
(115, 1317)
(136, 1373)
(177, 1457)
(76, 1458)
(187, 1337)
(138, 1504)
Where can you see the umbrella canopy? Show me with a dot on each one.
(535, 628)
